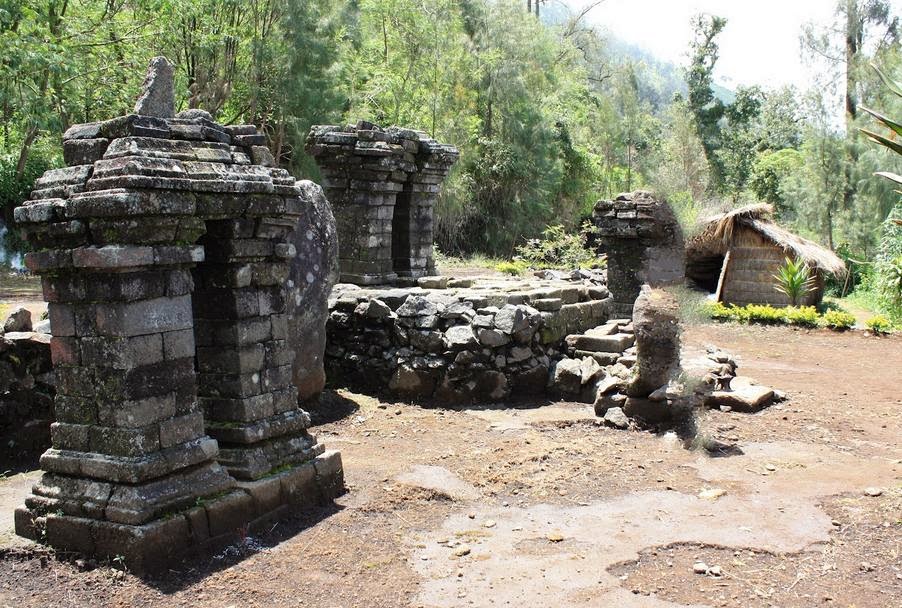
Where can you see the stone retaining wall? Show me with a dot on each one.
(458, 341)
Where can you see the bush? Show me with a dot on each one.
(879, 324)
(559, 248)
(838, 320)
(514, 268)
(805, 316)
(764, 314)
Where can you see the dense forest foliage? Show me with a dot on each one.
(549, 115)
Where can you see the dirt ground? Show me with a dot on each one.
(535, 504)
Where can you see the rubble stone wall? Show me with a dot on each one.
(383, 185)
(458, 342)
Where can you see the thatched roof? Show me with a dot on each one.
(717, 231)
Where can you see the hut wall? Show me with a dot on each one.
(754, 261)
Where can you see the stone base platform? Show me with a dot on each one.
(251, 507)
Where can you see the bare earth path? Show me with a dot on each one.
(539, 506)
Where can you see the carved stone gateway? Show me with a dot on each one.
(163, 251)
(383, 185)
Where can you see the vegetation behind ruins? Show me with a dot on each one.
(549, 115)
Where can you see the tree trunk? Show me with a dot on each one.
(529, 6)
(25, 150)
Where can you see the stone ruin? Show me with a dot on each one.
(383, 185)
(644, 245)
(164, 249)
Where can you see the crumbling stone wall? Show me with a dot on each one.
(458, 342)
(383, 185)
(644, 245)
(164, 257)
(26, 396)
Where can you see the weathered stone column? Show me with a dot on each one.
(129, 445)
(132, 471)
(244, 358)
(643, 243)
(412, 249)
(311, 276)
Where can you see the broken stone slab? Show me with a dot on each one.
(615, 343)
(744, 396)
(433, 282)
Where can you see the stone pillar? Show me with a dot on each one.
(413, 257)
(644, 245)
(133, 471)
(383, 184)
(129, 445)
(244, 358)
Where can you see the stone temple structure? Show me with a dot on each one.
(164, 253)
(383, 185)
(644, 245)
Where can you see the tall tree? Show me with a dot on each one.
(705, 107)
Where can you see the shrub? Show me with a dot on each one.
(879, 324)
(560, 248)
(794, 280)
(764, 314)
(805, 316)
(514, 268)
(838, 319)
(717, 310)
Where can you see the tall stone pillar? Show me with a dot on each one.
(163, 253)
(129, 445)
(413, 247)
(244, 358)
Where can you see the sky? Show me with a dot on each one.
(759, 45)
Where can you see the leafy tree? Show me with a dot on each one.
(705, 107)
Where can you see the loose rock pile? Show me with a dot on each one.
(383, 185)
(458, 340)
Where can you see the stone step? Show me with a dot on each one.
(615, 343)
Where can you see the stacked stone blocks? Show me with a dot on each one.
(383, 185)
(644, 245)
(163, 255)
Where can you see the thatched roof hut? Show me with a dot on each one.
(737, 254)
